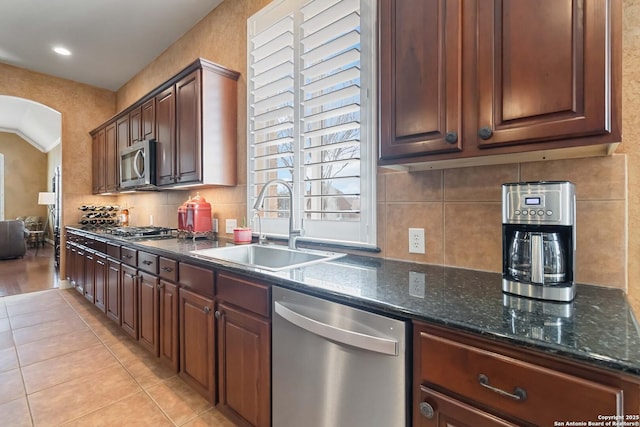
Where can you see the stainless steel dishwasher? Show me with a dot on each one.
(336, 366)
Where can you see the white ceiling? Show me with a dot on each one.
(111, 40)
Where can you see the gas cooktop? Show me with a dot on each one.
(140, 233)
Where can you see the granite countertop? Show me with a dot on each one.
(597, 328)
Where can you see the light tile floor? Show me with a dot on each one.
(62, 362)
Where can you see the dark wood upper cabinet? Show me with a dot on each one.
(135, 125)
(112, 159)
(463, 80)
(142, 122)
(193, 118)
(188, 128)
(543, 70)
(165, 136)
(98, 161)
(123, 137)
(420, 77)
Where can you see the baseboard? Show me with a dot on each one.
(65, 284)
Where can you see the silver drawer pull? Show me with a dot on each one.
(518, 393)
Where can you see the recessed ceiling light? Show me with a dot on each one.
(62, 51)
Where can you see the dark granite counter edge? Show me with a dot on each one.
(596, 360)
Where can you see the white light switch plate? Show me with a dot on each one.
(230, 224)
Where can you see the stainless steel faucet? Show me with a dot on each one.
(293, 234)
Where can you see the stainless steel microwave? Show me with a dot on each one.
(138, 166)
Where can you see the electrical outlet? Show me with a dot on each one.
(214, 225)
(416, 284)
(229, 225)
(416, 241)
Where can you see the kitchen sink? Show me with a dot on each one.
(268, 257)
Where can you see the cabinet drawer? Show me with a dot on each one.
(129, 256)
(510, 386)
(148, 262)
(196, 279)
(99, 245)
(113, 250)
(168, 269)
(243, 293)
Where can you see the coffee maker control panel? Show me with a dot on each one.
(538, 203)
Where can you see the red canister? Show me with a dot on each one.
(198, 218)
(182, 216)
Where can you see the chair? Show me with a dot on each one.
(34, 227)
(12, 239)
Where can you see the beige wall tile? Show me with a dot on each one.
(381, 188)
(423, 186)
(6, 340)
(600, 253)
(478, 184)
(473, 236)
(381, 229)
(597, 178)
(401, 217)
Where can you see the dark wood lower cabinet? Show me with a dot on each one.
(244, 366)
(169, 344)
(148, 312)
(129, 298)
(89, 273)
(113, 290)
(197, 348)
(439, 410)
(100, 277)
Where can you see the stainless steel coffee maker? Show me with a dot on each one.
(539, 239)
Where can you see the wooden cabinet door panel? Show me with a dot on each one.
(135, 125)
(165, 136)
(113, 290)
(123, 136)
(98, 161)
(188, 128)
(169, 344)
(543, 69)
(129, 298)
(89, 275)
(244, 365)
(100, 275)
(444, 411)
(112, 159)
(148, 312)
(421, 77)
(197, 338)
(148, 123)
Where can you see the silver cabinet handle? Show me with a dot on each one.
(518, 393)
(206, 309)
(344, 336)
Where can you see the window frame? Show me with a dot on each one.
(321, 231)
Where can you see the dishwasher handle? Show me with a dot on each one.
(333, 333)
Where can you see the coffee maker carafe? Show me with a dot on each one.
(538, 240)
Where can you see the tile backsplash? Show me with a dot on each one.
(460, 210)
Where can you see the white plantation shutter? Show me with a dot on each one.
(310, 113)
